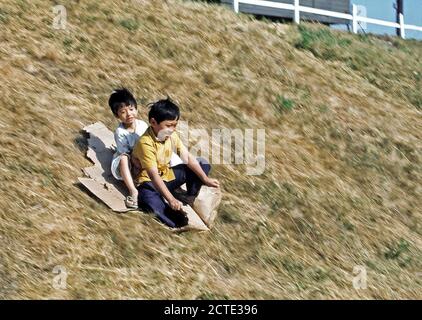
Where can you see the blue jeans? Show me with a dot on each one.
(151, 200)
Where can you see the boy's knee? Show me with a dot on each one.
(205, 165)
(151, 199)
(203, 162)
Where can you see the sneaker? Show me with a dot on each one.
(131, 203)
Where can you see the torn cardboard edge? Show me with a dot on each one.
(112, 192)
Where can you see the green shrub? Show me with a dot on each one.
(322, 43)
(283, 104)
(129, 24)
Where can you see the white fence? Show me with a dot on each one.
(297, 8)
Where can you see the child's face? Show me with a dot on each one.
(127, 115)
(164, 129)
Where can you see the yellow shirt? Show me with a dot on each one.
(153, 153)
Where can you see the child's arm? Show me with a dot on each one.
(196, 168)
(162, 189)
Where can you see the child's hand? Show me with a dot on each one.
(175, 204)
(212, 183)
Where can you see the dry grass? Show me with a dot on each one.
(342, 185)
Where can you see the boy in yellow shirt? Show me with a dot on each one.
(156, 180)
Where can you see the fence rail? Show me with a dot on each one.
(354, 17)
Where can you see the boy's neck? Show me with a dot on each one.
(153, 131)
(131, 126)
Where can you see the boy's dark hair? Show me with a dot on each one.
(164, 110)
(121, 98)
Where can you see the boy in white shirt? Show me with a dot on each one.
(123, 105)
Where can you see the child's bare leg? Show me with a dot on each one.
(127, 176)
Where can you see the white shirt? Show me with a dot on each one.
(125, 140)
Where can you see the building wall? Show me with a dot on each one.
(342, 6)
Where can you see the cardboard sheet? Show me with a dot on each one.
(100, 181)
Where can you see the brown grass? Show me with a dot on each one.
(342, 185)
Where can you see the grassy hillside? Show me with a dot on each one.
(342, 185)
